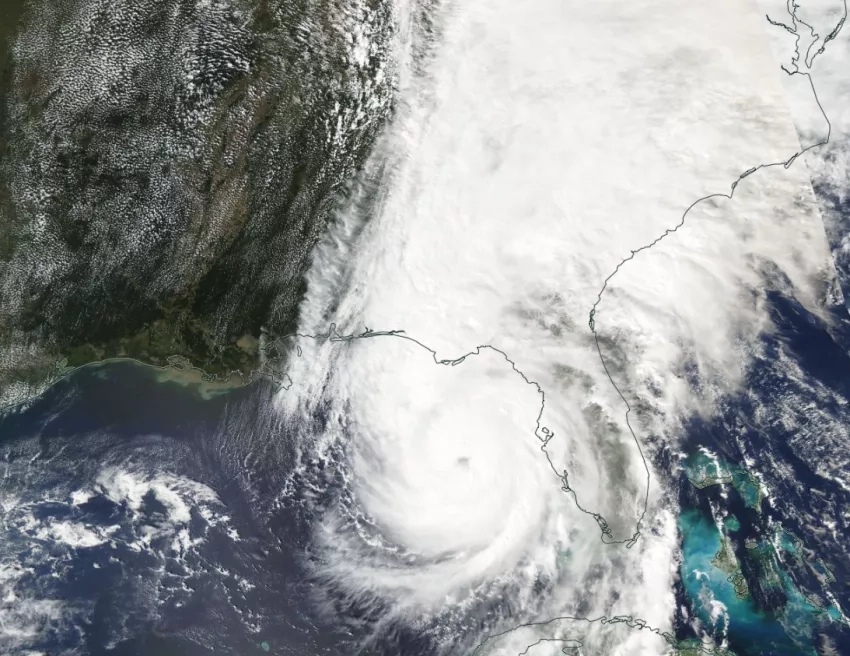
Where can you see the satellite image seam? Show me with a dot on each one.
(203, 450)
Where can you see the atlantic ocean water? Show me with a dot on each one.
(144, 517)
(771, 514)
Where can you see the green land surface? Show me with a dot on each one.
(165, 219)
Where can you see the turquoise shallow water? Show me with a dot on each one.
(126, 417)
(749, 630)
(704, 470)
(759, 484)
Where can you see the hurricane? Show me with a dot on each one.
(490, 355)
(426, 327)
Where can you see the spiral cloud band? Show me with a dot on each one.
(537, 150)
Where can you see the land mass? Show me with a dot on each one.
(165, 171)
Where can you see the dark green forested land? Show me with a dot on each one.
(166, 167)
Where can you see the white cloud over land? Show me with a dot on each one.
(544, 144)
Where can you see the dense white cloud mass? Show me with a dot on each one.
(539, 145)
(830, 164)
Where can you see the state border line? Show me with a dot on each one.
(809, 61)
(547, 435)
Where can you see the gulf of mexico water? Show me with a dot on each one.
(142, 516)
(133, 524)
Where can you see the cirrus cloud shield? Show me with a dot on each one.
(499, 209)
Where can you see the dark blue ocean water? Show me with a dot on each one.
(789, 428)
(188, 545)
(207, 534)
(242, 595)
